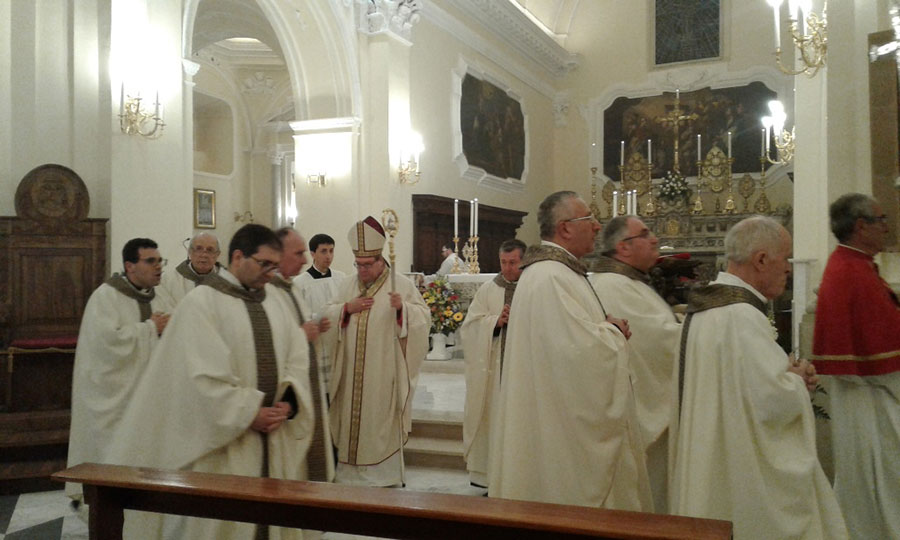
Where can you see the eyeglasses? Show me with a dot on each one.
(265, 266)
(643, 234)
(582, 218)
(882, 218)
(207, 250)
(153, 261)
(364, 266)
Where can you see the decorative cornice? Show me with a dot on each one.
(470, 38)
(510, 24)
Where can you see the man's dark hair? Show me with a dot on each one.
(283, 232)
(319, 240)
(130, 251)
(846, 210)
(447, 245)
(513, 244)
(250, 237)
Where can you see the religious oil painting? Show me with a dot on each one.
(687, 30)
(204, 209)
(705, 112)
(493, 129)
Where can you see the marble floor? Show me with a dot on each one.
(440, 394)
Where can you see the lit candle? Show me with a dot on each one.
(622, 153)
(634, 203)
(122, 100)
(677, 94)
(729, 145)
(456, 218)
(699, 152)
(649, 158)
(762, 143)
(471, 218)
(156, 110)
(777, 25)
(476, 217)
(615, 203)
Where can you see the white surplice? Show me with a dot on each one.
(652, 353)
(194, 406)
(745, 448)
(318, 292)
(375, 369)
(567, 426)
(482, 372)
(113, 349)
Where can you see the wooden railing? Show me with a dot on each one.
(392, 513)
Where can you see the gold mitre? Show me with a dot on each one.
(366, 238)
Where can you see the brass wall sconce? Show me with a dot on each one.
(135, 120)
(784, 139)
(809, 33)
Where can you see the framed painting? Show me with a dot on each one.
(204, 209)
(686, 30)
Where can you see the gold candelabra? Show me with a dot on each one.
(470, 252)
(134, 120)
(762, 205)
(811, 41)
(595, 208)
(456, 268)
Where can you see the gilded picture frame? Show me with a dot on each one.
(204, 209)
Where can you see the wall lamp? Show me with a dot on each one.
(135, 120)
(408, 170)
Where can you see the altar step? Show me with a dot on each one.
(436, 439)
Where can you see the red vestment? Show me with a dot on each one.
(857, 318)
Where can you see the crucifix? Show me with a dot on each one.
(674, 120)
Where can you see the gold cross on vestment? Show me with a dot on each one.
(674, 120)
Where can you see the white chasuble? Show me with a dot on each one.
(198, 398)
(567, 427)
(377, 358)
(317, 293)
(652, 353)
(745, 448)
(114, 346)
(177, 282)
(481, 341)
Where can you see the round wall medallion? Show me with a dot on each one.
(52, 193)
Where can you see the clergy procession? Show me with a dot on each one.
(582, 387)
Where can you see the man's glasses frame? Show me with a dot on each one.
(153, 261)
(265, 266)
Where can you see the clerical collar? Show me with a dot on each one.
(317, 274)
(867, 254)
(724, 278)
(135, 287)
(214, 269)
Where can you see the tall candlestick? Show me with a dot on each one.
(699, 152)
(649, 155)
(729, 145)
(471, 218)
(476, 217)
(622, 153)
(455, 218)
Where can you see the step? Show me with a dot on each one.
(449, 429)
(434, 452)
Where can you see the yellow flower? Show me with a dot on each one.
(429, 300)
(448, 312)
(458, 316)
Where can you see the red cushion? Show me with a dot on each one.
(67, 342)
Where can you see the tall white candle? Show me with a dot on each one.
(471, 218)
(122, 100)
(677, 93)
(777, 25)
(634, 202)
(476, 217)
(622, 153)
(729, 145)
(456, 218)
(699, 152)
(615, 208)
(156, 109)
(762, 143)
(649, 155)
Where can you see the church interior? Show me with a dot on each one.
(142, 118)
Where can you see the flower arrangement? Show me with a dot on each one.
(444, 305)
(674, 187)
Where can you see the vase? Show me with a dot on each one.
(439, 348)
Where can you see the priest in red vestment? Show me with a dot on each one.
(857, 341)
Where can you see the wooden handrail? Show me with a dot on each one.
(392, 513)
